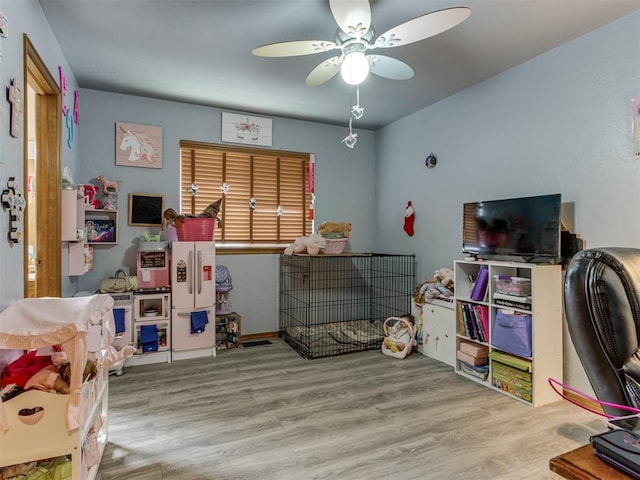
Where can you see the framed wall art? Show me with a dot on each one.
(145, 209)
(246, 129)
(138, 145)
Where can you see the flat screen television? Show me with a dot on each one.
(527, 227)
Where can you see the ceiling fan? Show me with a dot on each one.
(356, 36)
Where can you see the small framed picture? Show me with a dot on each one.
(146, 209)
(100, 231)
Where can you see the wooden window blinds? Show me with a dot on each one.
(266, 194)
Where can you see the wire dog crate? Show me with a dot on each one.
(330, 305)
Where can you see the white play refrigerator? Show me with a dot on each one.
(193, 290)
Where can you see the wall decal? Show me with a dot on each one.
(13, 201)
(138, 145)
(63, 89)
(76, 107)
(70, 131)
(246, 129)
(15, 99)
(63, 81)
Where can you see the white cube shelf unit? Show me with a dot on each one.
(528, 381)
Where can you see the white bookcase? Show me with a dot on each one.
(546, 319)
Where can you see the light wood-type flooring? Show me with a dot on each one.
(264, 412)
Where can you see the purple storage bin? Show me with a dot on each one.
(511, 333)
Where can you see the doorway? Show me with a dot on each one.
(42, 178)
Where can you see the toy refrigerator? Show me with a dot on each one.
(193, 289)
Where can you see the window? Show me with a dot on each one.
(266, 193)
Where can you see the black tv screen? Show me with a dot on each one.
(523, 227)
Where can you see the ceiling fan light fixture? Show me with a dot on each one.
(355, 68)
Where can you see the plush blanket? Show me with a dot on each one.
(337, 337)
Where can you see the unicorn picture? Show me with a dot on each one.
(141, 144)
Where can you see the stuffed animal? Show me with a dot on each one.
(342, 228)
(311, 245)
(445, 277)
(440, 286)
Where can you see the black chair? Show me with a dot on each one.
(602, 306)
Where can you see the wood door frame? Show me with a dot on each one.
(48, 174)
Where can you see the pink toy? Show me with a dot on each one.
(107, 185)
(90, 192)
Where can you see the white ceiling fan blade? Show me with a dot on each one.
(324, 72)
(352, 16)
(422, 27)
(295, 48)
(388, 67)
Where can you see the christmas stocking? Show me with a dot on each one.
(409, 218)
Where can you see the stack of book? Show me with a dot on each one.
(473, 359)
(511, 374)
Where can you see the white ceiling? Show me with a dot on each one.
(199, 51)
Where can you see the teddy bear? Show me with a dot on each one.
(311, 245)
(327, 228)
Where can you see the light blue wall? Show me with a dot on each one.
(345, 186)
(25, 17)
(560, 123)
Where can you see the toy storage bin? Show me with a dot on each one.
(517, 286)
(334, 246)
(511, 332)
(195, 229)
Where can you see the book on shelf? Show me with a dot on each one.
(461, 328)
(468, 323)
(476, 321)
(480, 371)
(512, 298)
(513, 301)
(471, 329)
(479, 289)
(482, 311)
(511, 360)
(510, 304)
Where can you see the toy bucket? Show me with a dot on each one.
(195, 229)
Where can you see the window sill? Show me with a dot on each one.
(244, 249)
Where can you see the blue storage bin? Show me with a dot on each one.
(511, 332)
